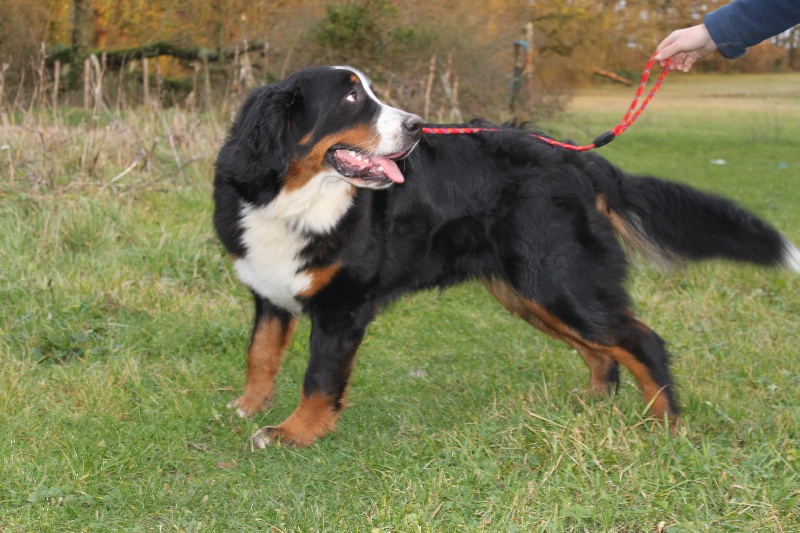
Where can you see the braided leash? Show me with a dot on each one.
(626, 122)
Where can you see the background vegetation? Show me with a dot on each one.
(209, 52)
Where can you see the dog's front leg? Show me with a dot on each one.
(334, 342)
(272, 331)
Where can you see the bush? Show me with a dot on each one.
(363, 31)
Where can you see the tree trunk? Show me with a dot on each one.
(82, 37)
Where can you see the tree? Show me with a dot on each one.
(82, 37)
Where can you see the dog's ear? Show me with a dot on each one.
(261, 128)
(257, 152)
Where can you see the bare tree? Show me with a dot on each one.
(82, 37)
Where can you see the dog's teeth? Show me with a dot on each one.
(380, 169)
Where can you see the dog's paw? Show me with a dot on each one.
(599, 391)
(315, 417)
(247, 407)
(278, 436)
(266, 436)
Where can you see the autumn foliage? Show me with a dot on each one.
(406, 45)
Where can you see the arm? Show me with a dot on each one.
(731, 28)
(743, 23)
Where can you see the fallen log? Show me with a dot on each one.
(115, 59)
(614, 77)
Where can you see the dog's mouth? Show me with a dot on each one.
(363, 170)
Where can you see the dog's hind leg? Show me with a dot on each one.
(604, 369)
(560, 267)
(626, 341)
(272, 333)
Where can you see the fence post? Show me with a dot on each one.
(206, 84)
(521, 86)
(56, 83)
(530, 104)
(146, 80)
(3, 68)
(431, 73)
(86, 82)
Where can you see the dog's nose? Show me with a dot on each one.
(413, 126)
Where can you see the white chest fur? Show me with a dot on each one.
(275, 235)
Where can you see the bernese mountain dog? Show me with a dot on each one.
(333, 204)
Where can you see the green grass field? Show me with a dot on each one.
(123, 330)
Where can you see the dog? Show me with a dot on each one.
(333, 204)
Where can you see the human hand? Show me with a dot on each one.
(684, 47)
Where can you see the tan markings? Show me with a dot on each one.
(652, 253)
(267, 346)
(355, 79)
(320, 277)
(659, 404)
(600, 365)
(630, 236)
(601, 204)
(315, 417)
(526, 310)
(599, 358)
(362, 138)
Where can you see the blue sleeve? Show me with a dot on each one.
(744, 23)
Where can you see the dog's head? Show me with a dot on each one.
(321, 121)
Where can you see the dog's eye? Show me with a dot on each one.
(352, 97)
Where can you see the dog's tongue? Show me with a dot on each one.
(390, 168)
(366, 167)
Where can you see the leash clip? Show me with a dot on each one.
(604, 139)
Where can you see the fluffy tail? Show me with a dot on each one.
(670, 224)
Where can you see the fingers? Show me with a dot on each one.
(684, 47)
(671, 38)
(682, 62)
(668, 48)
(674, 53)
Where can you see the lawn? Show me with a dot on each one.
(123, 330)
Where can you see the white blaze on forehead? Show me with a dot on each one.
(365, 81)
(389, 121)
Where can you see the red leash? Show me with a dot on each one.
(629, 118)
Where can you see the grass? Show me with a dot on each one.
(123, 330)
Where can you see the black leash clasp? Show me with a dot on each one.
(604, 139)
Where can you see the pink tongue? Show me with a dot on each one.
(390, 168)
(371, 164)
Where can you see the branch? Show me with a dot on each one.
(115, 59)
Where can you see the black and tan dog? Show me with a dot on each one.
(333, 204)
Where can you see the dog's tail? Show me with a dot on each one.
(669, 223)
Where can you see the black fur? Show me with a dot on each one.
(537, 222)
